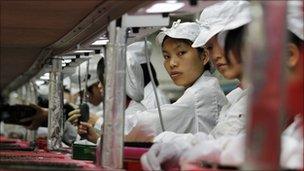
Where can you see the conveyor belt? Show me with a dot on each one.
(15, 157)
(42, 160)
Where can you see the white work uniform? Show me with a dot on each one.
(197, 110)
(149, 100)
(228, 131)
(292, 145)
(132, 108)
(232, 118)
(98, 110)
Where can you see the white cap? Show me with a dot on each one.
(137, 50)
(222, 16)
(134, 78)
(43, 89)
(92, 75)
(186, 30)
(67, 82)
(295, 18)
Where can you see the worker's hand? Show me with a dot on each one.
(207, 150)
(164, 155)
(37, 119)
(86, 130)
(93, 119)
(74, 116)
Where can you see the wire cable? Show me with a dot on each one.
(154, 87)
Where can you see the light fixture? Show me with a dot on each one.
(165, 7)
(83, 51)
(100, 42)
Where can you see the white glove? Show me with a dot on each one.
(233, 154)
(291, 153)
(165, 152)
(207, 150)
(161, 153)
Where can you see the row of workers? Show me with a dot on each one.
(203, 124)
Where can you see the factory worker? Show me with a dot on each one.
(198, 108)
(292, 138)
(214, 19)
(137, 51)
(134, 92)
(94, 92)
(136, 54)
(229, 150)
(292, 155)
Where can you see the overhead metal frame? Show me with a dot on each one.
(91, 26)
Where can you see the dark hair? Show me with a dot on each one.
(295, 39)
(199, 49)
(147, 78)
(233, 43)
(43, 101)
(100, 70)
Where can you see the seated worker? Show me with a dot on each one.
(231, 150)
(134, 92)
(221, 17)
(188, 150)
(198, 108)
(136, 54)
(94, 97)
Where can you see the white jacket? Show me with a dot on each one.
(231, 120)
(196, 111)
(232, 117)
(149, 100)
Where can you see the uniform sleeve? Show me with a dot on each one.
(209, 102)
(177, 117)
(234, 120)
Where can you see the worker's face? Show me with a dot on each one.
(101, 88)
(94, 95)
(183, 63)
(230, 70)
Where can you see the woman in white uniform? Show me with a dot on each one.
(213, 20)
(197, 110)
(136, 55)
(188, 150)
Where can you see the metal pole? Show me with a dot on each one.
(55, 117)
(31, 97)
(112, 146)
(267, 43)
